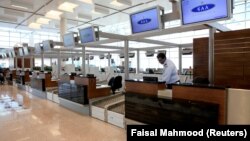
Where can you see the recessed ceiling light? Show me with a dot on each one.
(43, 21)
(34, 25)
(67, 6)
(53, 14)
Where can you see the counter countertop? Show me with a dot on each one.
(141, 81)
(201, 85)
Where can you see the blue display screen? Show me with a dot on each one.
(87, 35)
(145, 21)
(195, 11)
(47, 45)
(69, 40)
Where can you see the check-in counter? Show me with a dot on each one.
(144, 87)
(81, 89)
(9, 77)
(13, 72)
(22, 77)
(184, 104)
(203, 93)
(41, 81)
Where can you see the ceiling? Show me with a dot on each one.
(19, 18)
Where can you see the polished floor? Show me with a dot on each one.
(24, 117)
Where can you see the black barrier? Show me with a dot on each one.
(163, 133)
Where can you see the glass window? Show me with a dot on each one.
(4, 33)
(239, 8)
(15, 34)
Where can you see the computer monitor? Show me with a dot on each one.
(150, 79)
(25, 51)
(70, 40)
(146, 20)
(48, 45)
(204, 11)
(89, 34)
(20, 52)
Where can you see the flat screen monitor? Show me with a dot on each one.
(7, 55)
(38, 48)
(88, 35)
(10, 54)
(13, 53)
(20, 52)
(69, 40)
(48, 45)
(146, 20)
(25, 51)
(204, 11)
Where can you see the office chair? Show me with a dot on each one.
(115, 83)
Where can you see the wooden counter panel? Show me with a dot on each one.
(141, 88)
(216, 96)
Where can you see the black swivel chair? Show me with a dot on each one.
(115, 83)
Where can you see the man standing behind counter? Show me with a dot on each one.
(169, 75)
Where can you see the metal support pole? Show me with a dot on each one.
(42, 61)
(16, 62)
(211, 55)
(22, 63)
(180, 60)
(59, 64)
(126, 59)
(83, 60)
(31, 62)
(109, 59)
(138, 61)
(88, 63)
(51, 62)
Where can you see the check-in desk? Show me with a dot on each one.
(143, 87)
(204, 93)
(189, 104)
(41, 81)
(81, 89)
(22, 77)
(76, 94)
(9, 77)
(13, 72)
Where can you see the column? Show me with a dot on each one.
(211, 55)
(126, 59)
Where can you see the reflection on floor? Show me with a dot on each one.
(27, 118)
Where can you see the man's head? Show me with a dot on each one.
(161, 58)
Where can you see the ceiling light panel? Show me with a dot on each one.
(67, 6)
(53, 14)
(34, 25)
(43, 21)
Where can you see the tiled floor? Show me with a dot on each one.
(41, 120)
